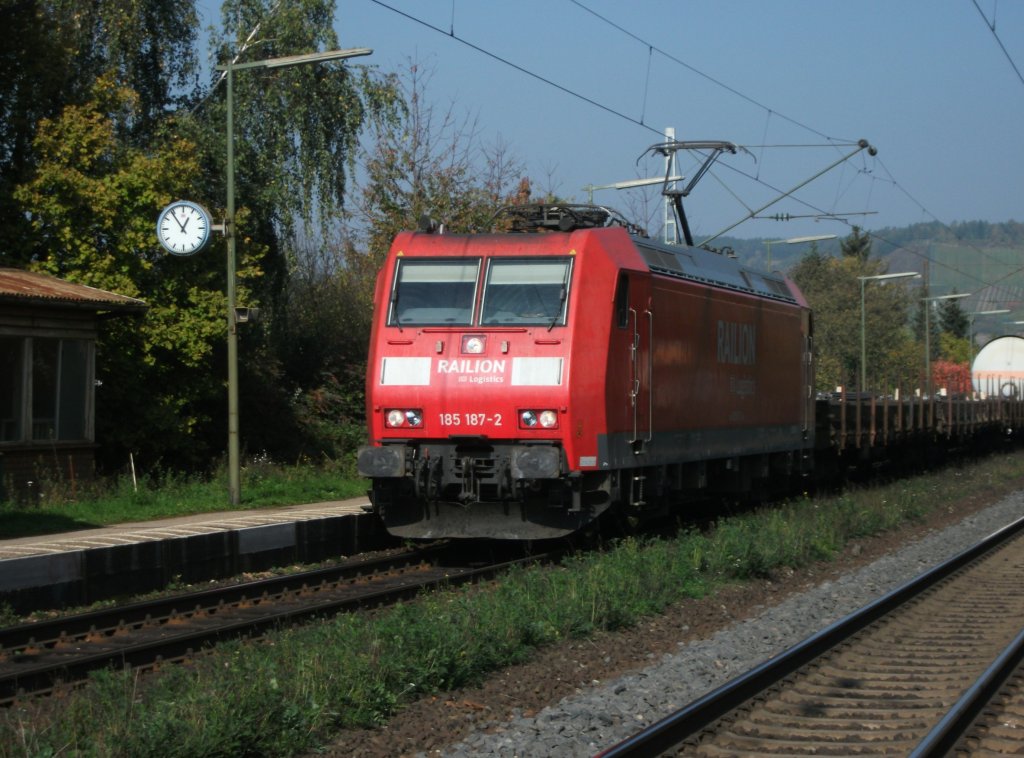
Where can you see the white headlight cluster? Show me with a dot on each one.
(546, 419)
(473, 344)
(399, 417)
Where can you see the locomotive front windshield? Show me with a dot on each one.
(439, 292)
(530, 291)
(434, 292)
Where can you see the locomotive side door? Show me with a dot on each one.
(635, 314)
(808, 373)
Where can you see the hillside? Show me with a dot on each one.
(971, 256)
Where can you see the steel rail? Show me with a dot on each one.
(80, 625)
(941, 740)
(171, 642)
(675, 728)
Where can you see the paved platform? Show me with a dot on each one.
(77, 568)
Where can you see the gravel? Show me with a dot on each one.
(604, 715)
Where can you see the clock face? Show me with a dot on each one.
(183, 228)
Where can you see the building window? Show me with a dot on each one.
(50, 402)
(12, 372)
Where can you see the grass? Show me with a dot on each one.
(263, 484)
(290, 693)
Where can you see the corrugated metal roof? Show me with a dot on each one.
(27, 286)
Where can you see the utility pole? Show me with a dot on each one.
(671, 231)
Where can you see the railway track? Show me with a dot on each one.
(931, 669)
(35, 658)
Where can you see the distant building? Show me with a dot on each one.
(48, 330)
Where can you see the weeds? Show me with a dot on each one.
(291, 692)
(7, 616)
(162, 495)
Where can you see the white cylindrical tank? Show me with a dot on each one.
(999, 368)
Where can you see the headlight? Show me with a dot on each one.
(473, 344)
(397, 417)
(547, 419)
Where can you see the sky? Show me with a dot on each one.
(579, 89)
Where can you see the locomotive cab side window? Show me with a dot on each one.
(434, 292)
(531, 291)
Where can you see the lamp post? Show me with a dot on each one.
(970, 327)
(794, 241)
(863, 345)
(928, 334)
(234, 485)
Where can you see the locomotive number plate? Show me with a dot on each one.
(470, 419)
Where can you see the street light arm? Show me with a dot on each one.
(956, 296)
(884, 277)
(294, 60)
(795, 240)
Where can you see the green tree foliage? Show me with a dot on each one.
(296, 143)
(833, 290)
(953, 319)
(297, 127)
(857, 246)
(88, 163)
(434, 164)
(91, 205)
(56, 50)
(426, 163)
(955, 349)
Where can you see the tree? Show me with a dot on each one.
(93, 161)
(856, 245)
(91, 204)
(296, 142)
(428, 163)
(949, 345)
(297, 127)
(833, 290)
(56, 50)
(953, 319)
(955, 349)
(432, 164)
(951, 376)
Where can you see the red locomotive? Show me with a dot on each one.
(521, 383)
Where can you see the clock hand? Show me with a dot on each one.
(180, 225)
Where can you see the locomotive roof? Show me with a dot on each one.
(700, 265)
(681, 262)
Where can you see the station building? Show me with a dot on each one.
(48, 331)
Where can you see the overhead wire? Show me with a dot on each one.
(833, 142)
(992, 28)
(697, 71)
(638, 122)
(830, 141)
(769, 112)
(517, 67)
